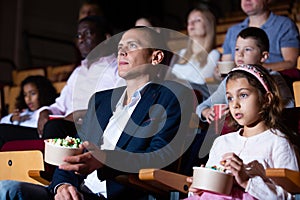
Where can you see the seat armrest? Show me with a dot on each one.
(170, 181)
(286, 178)
(40, 176)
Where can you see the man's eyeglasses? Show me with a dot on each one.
(85, 34)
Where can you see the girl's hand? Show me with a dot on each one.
(217, 74)
(15, 116)
(82, 164)
(235, 164)
(209, 114)
(195, 191)
(24, 118)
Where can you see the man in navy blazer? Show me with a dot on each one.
(164, 129)
(142, 125)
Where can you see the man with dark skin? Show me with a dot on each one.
(85, 80)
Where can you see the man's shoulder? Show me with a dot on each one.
(110, 91)
(170, 88)
(281, 22)
(281, 18)
(175, 84)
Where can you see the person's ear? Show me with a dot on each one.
(269, 97)
(264, 56)
(107, 35)
(157, 57)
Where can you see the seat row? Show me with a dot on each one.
(11, 92)
(157, 182)
(58, 75)
(53, 73)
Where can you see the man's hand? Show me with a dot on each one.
(67, 191)
(82, 164)
(43, 118)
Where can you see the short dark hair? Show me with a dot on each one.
(101, 23)
(257, 34)
(158, 42)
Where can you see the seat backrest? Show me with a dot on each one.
(59, 73)
(296, 89)
(29, 145)
(16, 164)
(220, 37)
(20, 75)
(291, 119)
(190, 157)
(59, 85)
(13, 93)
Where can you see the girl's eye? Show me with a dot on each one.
(229, 98)
(248, 49)
(243, 95)
(192, 21)
(237, 49)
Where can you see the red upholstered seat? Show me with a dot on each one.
(18, 145)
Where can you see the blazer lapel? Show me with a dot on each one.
(106, 108)
(149, 94)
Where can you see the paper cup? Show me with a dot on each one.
(219, 114)
(55, 154)
(225, 67)
(212, 180)
(219, 111)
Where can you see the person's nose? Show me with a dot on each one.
(122, 52)
(27, 98)
(235, 103)
(240, 53)
(80, 39)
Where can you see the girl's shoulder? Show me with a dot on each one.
(214, 52)
(232, 136)
(276, 136)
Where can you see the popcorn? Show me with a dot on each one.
(217, 168)
(67, 142)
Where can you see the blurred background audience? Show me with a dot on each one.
(196, 63)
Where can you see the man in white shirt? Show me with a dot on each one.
(94, 74)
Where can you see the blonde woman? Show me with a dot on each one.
(198, 61)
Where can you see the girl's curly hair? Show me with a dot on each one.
(271, 111)
(47, 92)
